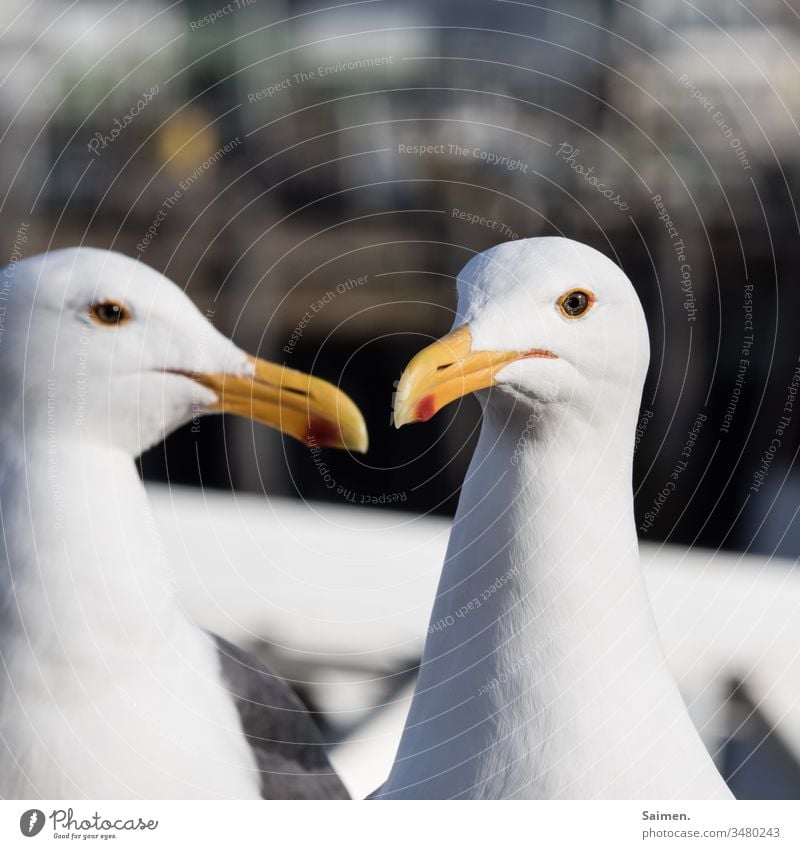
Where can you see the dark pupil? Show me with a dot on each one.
(576, 303)
(109, 313)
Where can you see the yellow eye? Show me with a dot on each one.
(575, 303)
(109, 313)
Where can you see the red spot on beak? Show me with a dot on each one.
(425, 408)
(323, 433)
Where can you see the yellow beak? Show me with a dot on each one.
(449, 369)
(305, 407)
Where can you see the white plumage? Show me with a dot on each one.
(543, 675)
(107, 690)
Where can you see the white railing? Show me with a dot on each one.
(342, 595)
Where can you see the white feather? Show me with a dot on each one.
(106, 689)
(543, 675)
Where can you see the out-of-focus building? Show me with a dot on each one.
(280, 158)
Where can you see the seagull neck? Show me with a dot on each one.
(554, 494)
(545, 540)
(82, 570)
(542, 635)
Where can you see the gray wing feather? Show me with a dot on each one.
(287, 745)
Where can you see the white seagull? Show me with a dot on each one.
(107, 690)
(543, 675)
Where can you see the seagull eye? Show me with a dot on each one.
(109, 313)
(575, 303)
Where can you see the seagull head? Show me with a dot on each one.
(548, 322)
(109, 349)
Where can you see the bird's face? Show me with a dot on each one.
(545, 321)
(116, 352)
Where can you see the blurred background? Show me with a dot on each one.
(266, 157)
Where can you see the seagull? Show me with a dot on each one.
(107, 689)
(543, 676)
